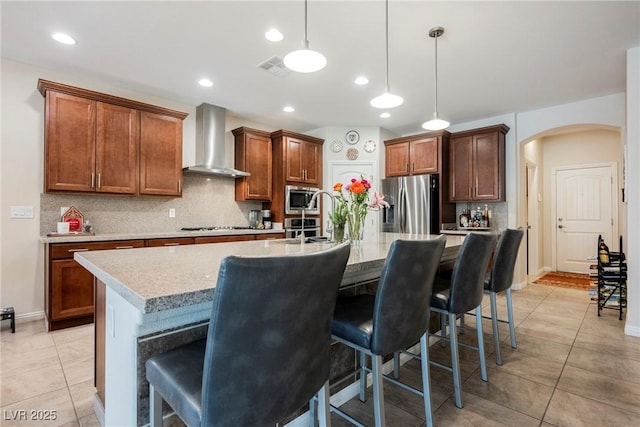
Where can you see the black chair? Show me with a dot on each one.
(394, 319)
(267, 349)
(464, 293)
(501, 278)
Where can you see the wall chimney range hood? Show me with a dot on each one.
(211, 143)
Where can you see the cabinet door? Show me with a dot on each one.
(460, 170)
(160, 155)
(69, 143)
(311, 154)
(294, 160)
(424, 156)
(223, 239)
(397, 160)
(175, 241)
(117, 138)
(486, 166)
(71, 290)
(256, 158)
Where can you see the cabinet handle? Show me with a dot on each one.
(78, 250)
(172, 244)
(93, 180)
(99, 180)
(124, 247)
(179, 186)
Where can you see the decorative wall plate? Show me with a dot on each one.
(352, 137)
(336, 145)
(352, 153)
(370, 146)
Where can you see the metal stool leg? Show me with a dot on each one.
(155, 407)
(483, 362)
(512, 327)
(494, 325)
(426, 379)
(443, 329)
(363, 377)
(396, 365)
(324, 413)
(378, 391)
(455, 360)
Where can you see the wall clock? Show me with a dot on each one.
(336, 146)
(352, 137)
(370, 146)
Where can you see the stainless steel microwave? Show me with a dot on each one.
(298, 198)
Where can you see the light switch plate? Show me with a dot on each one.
(21, 212)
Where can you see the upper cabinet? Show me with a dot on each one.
(477, 162)
(299, 156)
(416, 154)
(100, 143)
(254, 155)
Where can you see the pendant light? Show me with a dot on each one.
(387, 99)
(305, 60)
(436, 123)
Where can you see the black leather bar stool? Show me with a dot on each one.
(464, 293)
(501, 279)
(394, 319)
(267, 348)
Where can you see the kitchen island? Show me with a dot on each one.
(149, 300)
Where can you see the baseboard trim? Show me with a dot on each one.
(29, 317)
(633, 331)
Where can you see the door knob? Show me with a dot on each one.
(560, 226)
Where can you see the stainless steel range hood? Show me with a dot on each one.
(211, 143)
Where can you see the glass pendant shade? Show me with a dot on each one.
(436, 123)
(386, 100)
(305, 60)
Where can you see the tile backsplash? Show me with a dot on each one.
(206, 201)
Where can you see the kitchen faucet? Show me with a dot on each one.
(333, 206)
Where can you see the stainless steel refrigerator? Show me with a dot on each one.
(413, 204)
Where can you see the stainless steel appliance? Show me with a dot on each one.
(298, 198)
(413, 204)
(294, 226)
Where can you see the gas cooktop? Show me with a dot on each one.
(214, 228)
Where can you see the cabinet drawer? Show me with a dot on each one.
(270, 236)
(176, 241)
(222, 239)
(66, 250)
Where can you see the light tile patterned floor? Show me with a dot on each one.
(570, 368)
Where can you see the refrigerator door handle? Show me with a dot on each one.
(402, 218)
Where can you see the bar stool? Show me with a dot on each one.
(464, 294)
(504, 261)
(267, 348)
(392, 320)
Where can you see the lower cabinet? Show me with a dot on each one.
(69, 287)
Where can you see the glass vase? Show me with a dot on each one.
(338, 233)
(356, 229)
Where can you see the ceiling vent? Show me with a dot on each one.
(275, 66)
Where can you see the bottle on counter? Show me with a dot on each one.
(464, 218)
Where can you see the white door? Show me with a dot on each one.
(585, 207)
(343, 172)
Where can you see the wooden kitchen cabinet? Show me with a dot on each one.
(160, 154)
(477, 163)
(416, 154)
(173, 241)
(69, 286)
(299, 157)
(100, 143)
(223, 239)
(253, 154)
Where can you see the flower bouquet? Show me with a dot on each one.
(351, 207)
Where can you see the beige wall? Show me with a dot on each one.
(595, 146)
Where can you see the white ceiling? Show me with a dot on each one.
(494, 58)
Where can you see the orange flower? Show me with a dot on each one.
(357, 188)
(337, 186)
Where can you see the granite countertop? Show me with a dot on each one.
(161, 278)
(74, 238)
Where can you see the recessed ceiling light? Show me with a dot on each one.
(63, 38)
(385, 115)
(361, 80)
(273, 35)
(288, 109)
(205, 82)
